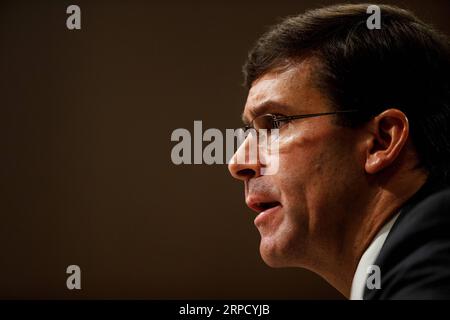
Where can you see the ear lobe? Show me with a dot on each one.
(390, 133)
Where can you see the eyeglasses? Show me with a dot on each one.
(270, 121)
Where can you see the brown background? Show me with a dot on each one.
(86, 176)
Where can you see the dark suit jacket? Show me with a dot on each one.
(415, 258)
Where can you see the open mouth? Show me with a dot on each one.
(266, 211)
(259, 205)
(263, 206)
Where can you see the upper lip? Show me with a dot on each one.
(260, 203)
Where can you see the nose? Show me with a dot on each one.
(245, 164)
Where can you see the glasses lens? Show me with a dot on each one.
(264, 122)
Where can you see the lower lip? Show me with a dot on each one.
(266, 215)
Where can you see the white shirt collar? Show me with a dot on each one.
(368, 259)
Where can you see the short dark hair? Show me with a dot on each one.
(404, 65)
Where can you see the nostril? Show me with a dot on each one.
(247, 173)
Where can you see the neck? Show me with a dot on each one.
(373, 212)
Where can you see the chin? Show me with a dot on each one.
(283, 245)
(274, 255)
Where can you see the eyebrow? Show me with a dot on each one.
(262, 109)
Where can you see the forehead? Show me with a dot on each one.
(288, 91)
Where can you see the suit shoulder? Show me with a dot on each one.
(438, 200)
(415, 259)
(431, 212)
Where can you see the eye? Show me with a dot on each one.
(264, 122)
(269, 121)
(279, 122)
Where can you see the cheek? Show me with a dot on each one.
(293, 183)
(311, 166)
(301, 149)
(300, 159)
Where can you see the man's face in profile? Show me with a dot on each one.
(301, 208)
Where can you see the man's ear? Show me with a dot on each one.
(389, 133)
